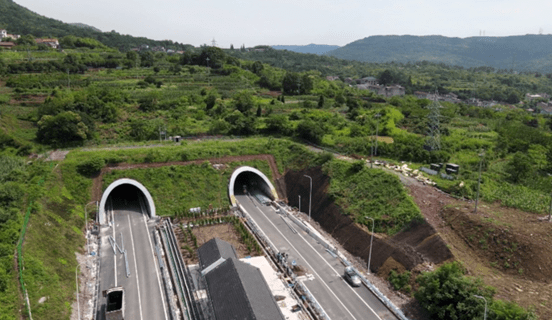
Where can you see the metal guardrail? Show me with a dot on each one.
(185, 274)
(284, 265)
(398, 313)
(176, 274)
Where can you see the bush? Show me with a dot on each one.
(91, 166)
(399, 280)
(447, 294)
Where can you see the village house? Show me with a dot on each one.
(421, 95)
(530, 97)
(53, 43)
(368, 80)
(332, 78)
(546, 111)
(7, 45)
(541, 105)
(387, 91)
(3, 33)
(451, 97)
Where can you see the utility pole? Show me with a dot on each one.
(68, 80)
(299, 203)
(77, 283)
(371, 240)
(483, 298)
(310, 197)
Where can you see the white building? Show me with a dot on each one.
(3, 34)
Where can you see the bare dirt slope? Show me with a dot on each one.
(508, 248)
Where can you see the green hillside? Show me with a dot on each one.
(20, 20)
(520, 53)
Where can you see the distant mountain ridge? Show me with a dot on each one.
(520, 53)
(85, 26)
(310, 48)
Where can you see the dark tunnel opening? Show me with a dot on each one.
(253, 184)
(127, 197)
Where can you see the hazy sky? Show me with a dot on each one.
(299, 22)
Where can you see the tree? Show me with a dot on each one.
(150, 101)
(257, 67)
(212, 57)
(278, 123)
(519, 167)
(243, 101)
(321, 102)
(291, 83)
(210, 101)
(385, 77)
(26, 40)
(512, 98)
(259, 111)
(447, 294)
(147, 59)
(65, 128)
(310, 131)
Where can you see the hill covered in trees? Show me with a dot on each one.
(520, 53)
(311, 48)
(20, 20)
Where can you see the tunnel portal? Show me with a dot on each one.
(126, 193)
(248, 179)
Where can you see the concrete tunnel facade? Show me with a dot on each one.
(150, 205)
(266, 187)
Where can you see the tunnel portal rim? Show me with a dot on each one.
(119, 182)
(256, 171)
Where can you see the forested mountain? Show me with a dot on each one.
(520, 53)
(311, 48)
(20, 20)
(85, 26)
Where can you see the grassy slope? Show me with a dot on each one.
(373, 193)
(178, 188)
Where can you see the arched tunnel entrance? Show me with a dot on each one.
(250, 180)
(125, 194)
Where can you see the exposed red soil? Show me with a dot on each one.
(225, 232)
(29, 99)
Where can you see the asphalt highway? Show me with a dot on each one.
(144, 293)
(338, 299)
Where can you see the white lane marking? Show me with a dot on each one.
(311, 268)
(135, 266)
(264, 234)
(115, 255)
(338, 274)
(156, 271)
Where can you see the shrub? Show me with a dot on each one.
(399, 280)
(91, 166)
(447, 294)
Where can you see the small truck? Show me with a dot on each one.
(115, 305)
